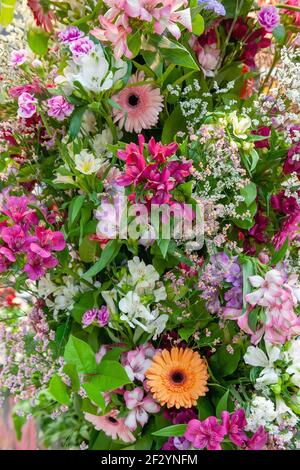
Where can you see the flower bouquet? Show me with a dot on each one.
(150, 223)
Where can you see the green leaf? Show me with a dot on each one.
(174, 52)
(249, 193)
(248, 270)
(173, 124)
(94, 395)
(279, 34)
(75, 123)
(186, 332)
(85, 302)
(38, 41)
(198, 25)
(163, 246)
(171, 431)
(87, 250)
(74, 208)
(280, 254)
(80, 354)
(7, 8)
(223, 363)
(108, 254)
(71, 372)
(134, 43)
(222, 404)
(59, 390)
(205, 408)
(111, 376)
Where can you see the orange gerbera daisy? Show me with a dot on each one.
(177, 377)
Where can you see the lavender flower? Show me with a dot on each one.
(269, 18)
(103, 316)
(214, 5)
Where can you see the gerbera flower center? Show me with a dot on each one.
(133, 100)
(178, 377)
(112, 420)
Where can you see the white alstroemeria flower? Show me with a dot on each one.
(240, 125)
(143, 277)
(134, 312)
(257, 358)
(92, 71)
(45, 286)
(284, 414)
(158, 325)
(160, 294)
(86, 163)
(110, 297)
(292, 355)
(101, 141)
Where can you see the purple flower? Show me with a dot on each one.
(269, 18)
(103, 316)
(70, 34)
(27, 107)
(214, 5)
(89, 316)
(208, 433)
(234, 297)
(234, 426)
(81, 47)
(59, 108)
(18, 58)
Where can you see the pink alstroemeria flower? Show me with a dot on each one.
(135, 363)
(139, 407)
(269, 288)
(115, 33)
(168, 16)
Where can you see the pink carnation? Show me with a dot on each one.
(59, 108)
(27, 105)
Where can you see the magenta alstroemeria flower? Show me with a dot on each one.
(47, 241)
(258, 440)
(205, 434)
(234, 425)
(36, 266)
(16, 238)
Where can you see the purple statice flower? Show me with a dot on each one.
(27, 105)
(59, 108)
(213, 5)
(269, 18)
(103, 316)
(81, 47)
(89, 317)
(70, 34)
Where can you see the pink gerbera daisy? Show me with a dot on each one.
(111, 425)
(141, 105)
(42, 14)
